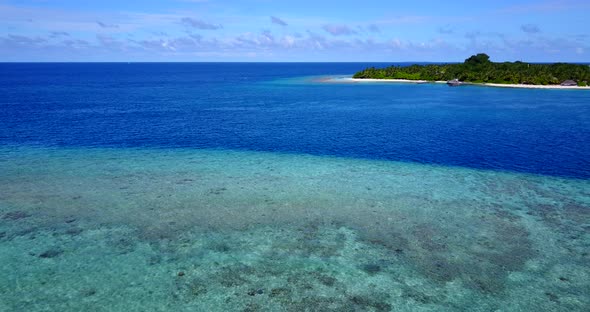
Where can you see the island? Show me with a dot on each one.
(478, 69)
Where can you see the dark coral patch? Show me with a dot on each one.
(15, 215)
(51, 253)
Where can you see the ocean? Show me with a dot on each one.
(263, 187)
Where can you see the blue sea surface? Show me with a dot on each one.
(254, 106)
(280, 187)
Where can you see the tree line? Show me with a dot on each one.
(479, 69)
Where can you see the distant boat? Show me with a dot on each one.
(454, 83)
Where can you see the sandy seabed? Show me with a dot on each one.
(208, 230)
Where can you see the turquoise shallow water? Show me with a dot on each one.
(99, 229)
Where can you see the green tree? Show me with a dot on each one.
(479, 68)
(478, 59)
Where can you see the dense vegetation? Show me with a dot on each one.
(478, 68)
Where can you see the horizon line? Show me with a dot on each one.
(262, 62)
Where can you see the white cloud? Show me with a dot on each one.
(199, 24)
(278, 21)
(530, 28)
(106, 25)
(338, 30)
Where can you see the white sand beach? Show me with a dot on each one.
(355, 80)
(499, 85)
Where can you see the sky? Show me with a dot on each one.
(293, 31)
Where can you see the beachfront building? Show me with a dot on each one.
(569, 83)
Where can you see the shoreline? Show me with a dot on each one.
(523, 86)
(485, 84)
(358, 80)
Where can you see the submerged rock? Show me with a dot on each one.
(377, 303)
(15, 215)
(74, 231)
(371, 268)
(88, 292)
(552, 297)
(281, 291)
(51, 253)
(254, 292)
(327, 280)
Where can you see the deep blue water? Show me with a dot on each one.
(277, 107)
